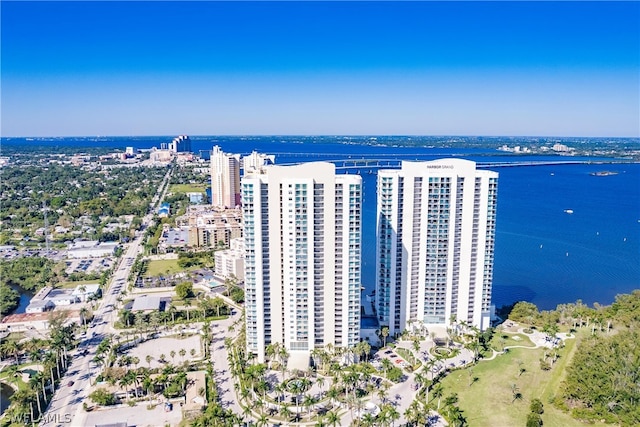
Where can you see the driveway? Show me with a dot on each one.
(223, 378)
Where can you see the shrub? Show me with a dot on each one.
(534, 420)
(536, 406)
(184, 290)
(103, 397)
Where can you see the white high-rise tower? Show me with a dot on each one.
(436, 230)
(225, 179)
(302, 231)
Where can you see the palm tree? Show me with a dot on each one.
(271, 350)
(283, 356)
(172, 310)
(125, 317)
(515, 393)
(368, 420)
(182, 353)
(246, 411)
(437, 392)
(187, 304)
(333, 394)
(124, 383)
(84, 311)
(333, 420)
(386, 366)
(392, 413)
(217, 303)
(230, 283)
(285, 412)
(420, 380)
(147, 384)
(320, 381)
(262, 421)
(12, 348)
(366, 349)
(149, 358)
(384, 332)
(34, 383)
(308, 402)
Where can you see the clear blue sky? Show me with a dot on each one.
(420, 68)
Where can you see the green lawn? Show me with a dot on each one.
(70, 285)
(187, 188)
(165, 267)
(489, 400)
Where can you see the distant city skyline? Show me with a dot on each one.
(320, 68)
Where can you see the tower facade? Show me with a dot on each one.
(225, 179)
(435, 244)
(180, 144)
(302, 230)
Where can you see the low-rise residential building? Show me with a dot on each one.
(230, 262)
(39, 306)
(209, 227)
(39, 321)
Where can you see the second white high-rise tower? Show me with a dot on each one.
(436, 230)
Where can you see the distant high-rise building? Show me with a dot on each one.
(302, 231)
(256, 162)
(435, 234)
(225, 178)
(180, 144)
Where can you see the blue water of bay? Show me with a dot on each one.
(543, 254)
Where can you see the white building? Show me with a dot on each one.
(257, 162)
(225, 179)
(84, 292)
(230, 262)
(91, 249)
(435, 244)
(39, 306)
(302, 234)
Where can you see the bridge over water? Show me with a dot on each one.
(394, 163)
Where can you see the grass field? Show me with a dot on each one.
(70, 285)
(165, 266)
(490, 399)
(187, 188)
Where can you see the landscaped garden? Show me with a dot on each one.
(499, 392)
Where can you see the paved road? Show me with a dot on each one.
(224, 380)
(66, 406)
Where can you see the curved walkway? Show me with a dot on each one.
(538, 339)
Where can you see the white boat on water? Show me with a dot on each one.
(569, 211)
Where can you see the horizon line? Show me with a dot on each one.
(346, 135)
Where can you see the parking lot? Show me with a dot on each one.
(88, 265)
(391, 355)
